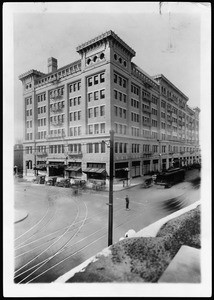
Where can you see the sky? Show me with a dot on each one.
(166, 42)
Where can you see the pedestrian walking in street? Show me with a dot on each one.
(127, 202)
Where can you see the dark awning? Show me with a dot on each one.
(95, 170)
(75, 169)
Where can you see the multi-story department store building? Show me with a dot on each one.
(69, 112)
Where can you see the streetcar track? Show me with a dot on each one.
(56, 236)
(61, 249)
(48, 246)
(79, 250)
(38, 230)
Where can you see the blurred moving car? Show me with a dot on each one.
(63, 182)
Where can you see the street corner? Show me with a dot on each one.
(20, 215)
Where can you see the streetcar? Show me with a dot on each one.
(170, 177)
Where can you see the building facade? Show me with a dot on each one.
(69, 112)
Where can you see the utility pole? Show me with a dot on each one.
(111, 176)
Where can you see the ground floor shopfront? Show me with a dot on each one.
(123, 170)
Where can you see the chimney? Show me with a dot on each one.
(52, 64)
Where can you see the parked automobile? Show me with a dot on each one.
(51, 180)
(40, 179)
(77, 182)
(63, 182)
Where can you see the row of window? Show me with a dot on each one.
(121, 61)
(120, 147)
(134, 103)
(154, 100)
(28, 100)
(120, 112)
(120, 96)
(120, 128)
(95, 58)
(29, 124)
(75, 131)
(74, 116)
(96, 95)
(56, 92)
(41, 135)
(29, 112)
(135, 117)
(57, 119)
(41, 97)
(74, 87)
(57, 132)
(56, 149)
(29, 136)
(135, 148)
(98, 111)
(57, 106)
(41, 110)
(134, 89)
(96, 79)
(120, 80)
(42, 122)
(96, 147)
(135, 131)
(96, 128)
(75, 101)
(75, 148)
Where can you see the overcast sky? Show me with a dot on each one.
(168, 42)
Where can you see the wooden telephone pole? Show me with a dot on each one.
(111, 177)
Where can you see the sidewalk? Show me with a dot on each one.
(131, 183)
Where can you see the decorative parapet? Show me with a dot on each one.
(147, 80)
(55, 77)
(31, 73)
(107, 35)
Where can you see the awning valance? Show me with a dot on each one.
(39, 167)
(74, 169)
(95, 170)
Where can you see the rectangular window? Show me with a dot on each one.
(96, 148)
(102, 110)
(124, 83)
(102, 128)
(79, 115)
(89, 97)
(115, 78)
(96, 128)
(120, 147)
(96, 79)
(102, 78)
(103, 147)
(115, 147)
(90, 148)
(96, 95)
(90, 129)
(102, 94)
(115, 110)
(95, 112)
(115, 94)
(90, 113)
(125, 148)
(79, 100)
(124, 98)
(124, 113)
(90, 81)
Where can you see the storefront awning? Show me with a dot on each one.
(95, 170)
(39, 167)
(123, 169)
(74, 169)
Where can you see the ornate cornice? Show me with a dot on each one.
(30, 73)
(107, 35)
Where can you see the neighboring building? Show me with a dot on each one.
(69, 112)
(18, 158)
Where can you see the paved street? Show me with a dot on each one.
(62, 230)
